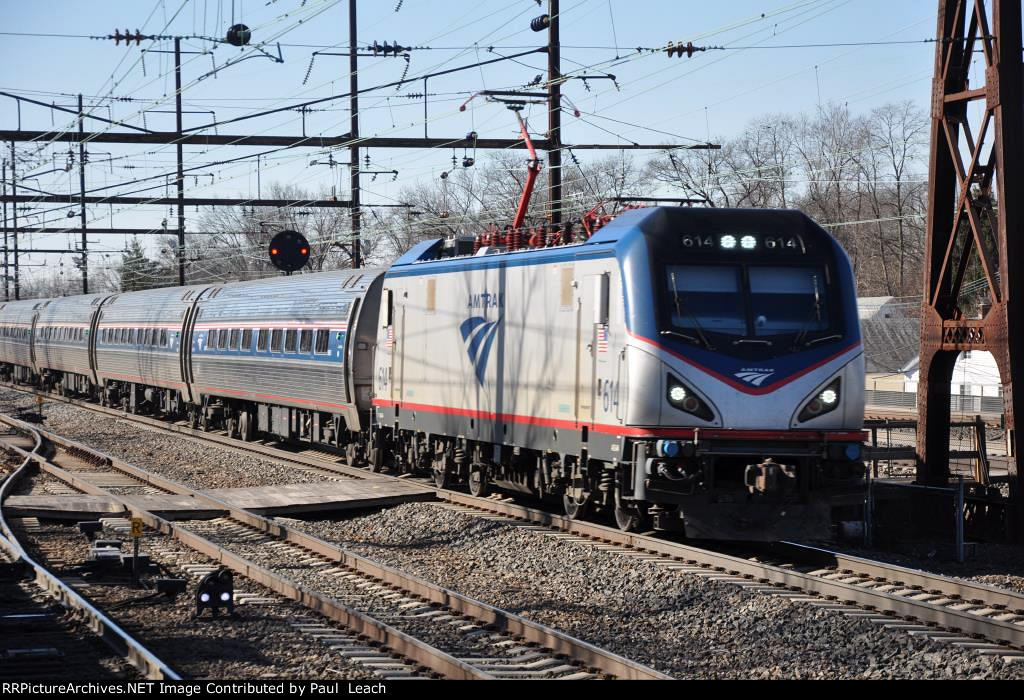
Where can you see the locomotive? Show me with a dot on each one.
(682, 368)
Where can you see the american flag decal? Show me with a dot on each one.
(602, 337)
(389, 342)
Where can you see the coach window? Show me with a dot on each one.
(306, 341)
(322, 337)
(222, 339)
(247, 339)
(163, 338)
(275, 340)
(212, 342)
(289, 340)
(122, 336)
(235, 333)
(261, 340)
(131, 336)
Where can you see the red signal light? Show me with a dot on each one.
(289, 251)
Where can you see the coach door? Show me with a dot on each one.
(93, 338)
(591, 342)
(188, 324)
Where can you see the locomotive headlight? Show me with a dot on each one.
(727, 242)
(822, 402)
(685, 399)
(748, 243)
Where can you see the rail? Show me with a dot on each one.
(120, 640)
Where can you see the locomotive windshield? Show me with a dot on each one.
(748, 304)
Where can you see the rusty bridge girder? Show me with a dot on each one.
(975, 213)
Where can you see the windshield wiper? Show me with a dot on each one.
(815, 315)
(684, 336)
(752, 341)
(679, 312)
(835, 336)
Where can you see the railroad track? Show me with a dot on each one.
(50, 631)
(986, 619)
(452, 635)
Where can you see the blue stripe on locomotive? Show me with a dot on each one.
(626, 239)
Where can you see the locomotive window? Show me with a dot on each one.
(235, 334)
(222, 339)
(323, 336)
(261, 340)
(289, 340)
(788, 300)
(706, 298)
(275, 340)
(306, 341)
(247, 339)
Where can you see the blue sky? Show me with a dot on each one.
(712, 94)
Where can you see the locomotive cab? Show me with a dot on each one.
(746, 373)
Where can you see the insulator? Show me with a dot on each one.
(539, 24)
(476, 244)
(516, 239)
(555, 237)
(468, 162)
(309, 70)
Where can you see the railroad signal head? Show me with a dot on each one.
(289, 251)
(216, 591)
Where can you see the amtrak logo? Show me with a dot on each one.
(478, 334)
(755, 377)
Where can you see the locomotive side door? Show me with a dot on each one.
(592, 347)
(395, 342)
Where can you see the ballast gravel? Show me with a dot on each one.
(679, 623)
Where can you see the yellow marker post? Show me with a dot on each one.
(136, 536)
